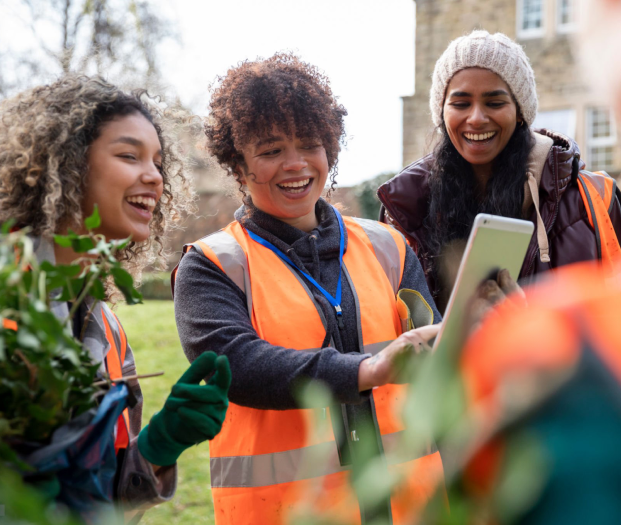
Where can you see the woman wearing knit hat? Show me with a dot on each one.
(488, 160)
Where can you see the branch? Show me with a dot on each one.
(32, 370)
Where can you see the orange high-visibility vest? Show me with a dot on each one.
(527, 352)
(264, 462)
(598, 194)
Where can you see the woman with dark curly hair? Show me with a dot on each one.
(488, 160)
(64, 149)
(292, 292)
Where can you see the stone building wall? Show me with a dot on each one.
(560, 84)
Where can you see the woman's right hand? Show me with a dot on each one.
(384, 367)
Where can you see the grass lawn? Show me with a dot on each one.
(152, 334)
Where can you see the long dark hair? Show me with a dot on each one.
(456, 197)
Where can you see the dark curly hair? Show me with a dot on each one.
(455, 195)
(280, 92)
(45, 134)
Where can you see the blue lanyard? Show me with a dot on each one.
(334, 301)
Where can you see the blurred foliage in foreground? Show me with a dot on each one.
(46, 375)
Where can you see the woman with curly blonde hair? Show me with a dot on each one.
(64, 149)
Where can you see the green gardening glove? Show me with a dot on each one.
(193, 413)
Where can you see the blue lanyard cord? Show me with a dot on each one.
(334, 301)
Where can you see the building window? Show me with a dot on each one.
(560, 120)
(566, 15)
(601, 139)
(530, 18)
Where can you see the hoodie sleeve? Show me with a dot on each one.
(211, 314)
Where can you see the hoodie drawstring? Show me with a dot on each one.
(542, 237)
(315, 252)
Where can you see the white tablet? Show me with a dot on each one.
(495, 243)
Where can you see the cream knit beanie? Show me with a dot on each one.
(496, 52)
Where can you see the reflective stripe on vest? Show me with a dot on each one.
(282, 467)
(114, 363)
(598, 194)
(259, 460)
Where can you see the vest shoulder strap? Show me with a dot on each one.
(598, 191)
(118, 343)
(115, 335)
(224, 250)
(389, 246)
(603, 183)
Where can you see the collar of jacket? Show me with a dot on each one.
(406, 196)
(286, 237)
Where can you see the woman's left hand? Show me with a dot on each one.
(490, 294)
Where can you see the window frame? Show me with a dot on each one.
(567, 27)
(525, 34)
(609, 141)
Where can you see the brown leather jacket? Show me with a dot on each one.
(405, 202)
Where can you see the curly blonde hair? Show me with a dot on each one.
(45, 134)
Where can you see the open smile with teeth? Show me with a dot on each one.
(144, 203)
(480, 137)
(295, 187)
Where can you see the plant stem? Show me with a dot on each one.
(32, 370)
(127, 378)
(83, 294)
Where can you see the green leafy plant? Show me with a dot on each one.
(46, 376)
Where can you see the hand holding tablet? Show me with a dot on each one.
(495, 244)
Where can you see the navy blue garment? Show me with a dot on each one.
(82, 457)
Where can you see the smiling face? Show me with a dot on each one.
(124, 178)
(480, 116)
(285, 177)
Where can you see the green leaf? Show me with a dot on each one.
(40, 413)
(63, 240)
(131, 295)
(64, 270)
(6, 226)
(72, 356)
(82, 244)
(94, 221)
(27, 340)
(97, 290)
(122, 277)
(70, 289)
